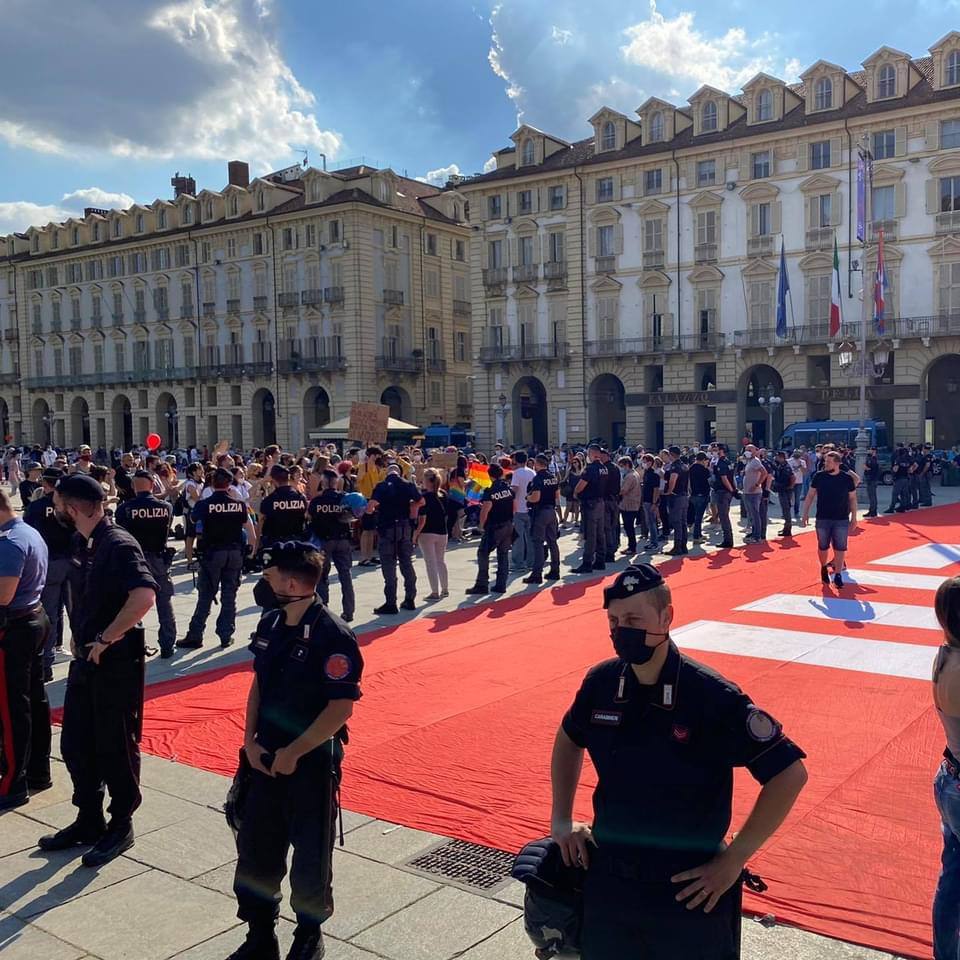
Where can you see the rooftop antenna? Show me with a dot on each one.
(306, 159)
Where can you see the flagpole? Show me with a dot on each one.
(862, 436)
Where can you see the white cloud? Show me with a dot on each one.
(201, 79)
(490, 165)
(95, 197)
(17, 215)
(440, 176)
(674, 47)
(792, 69)
(562, 37)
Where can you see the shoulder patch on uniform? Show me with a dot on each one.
(761, 726)
(338, 666)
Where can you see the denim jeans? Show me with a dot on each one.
(752, 502)
(699, 503)
(798, 496)
(724, 498)
(521, 557)
(946, 900)
(650, 513)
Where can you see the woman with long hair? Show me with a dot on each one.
(571, 509)
(431, 534)
(946, 786)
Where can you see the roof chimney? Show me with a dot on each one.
(183, 185)
(238, 173)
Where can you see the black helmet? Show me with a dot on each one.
(553, 902)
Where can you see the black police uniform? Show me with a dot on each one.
(57, 595)
(924, 472)
(722, 469)
(149, 519)
(611, 512)
(497, 535)
(220, 521)
(900, 498)
(103, 706)
(593, 510)
(284, 515)
(679, 501)
(664, 757)
(299, 671)
(545, 525)
(24, 710)
(329, 521)
(395, 497)
(916, 465)
(871, 477)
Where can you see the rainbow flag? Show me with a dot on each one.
(457, 495)
(479, 473)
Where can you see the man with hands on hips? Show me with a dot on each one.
(664, 734)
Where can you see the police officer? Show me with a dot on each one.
(496, 521)
(329, 519)
(664, 734)
(283, 512)
(900, 499)
(307, 669)
(591, 490)
(924, 472)
(222, 524)
(396, 503)
(871, 477)
(41, 514)
(725, 487)
(611, 507)
(24, 710)
(542, 497)
(149, 519)
(103, 707)
(677, 478)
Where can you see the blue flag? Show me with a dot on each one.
(783, 287)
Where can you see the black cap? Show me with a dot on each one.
(81, 486)
(142, 475)
(32, 465)
(51, 474)
(279, 473)
(637, 578)
(289, 553)
(221, 475)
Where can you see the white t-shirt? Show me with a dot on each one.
(522, 477)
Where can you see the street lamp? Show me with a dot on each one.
(771, 402)
(846, 355)
(501, 418)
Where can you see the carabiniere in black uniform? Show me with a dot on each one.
(545, 525)
(149, 519)
(329, 521)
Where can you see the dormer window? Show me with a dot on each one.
(764, 106)
(608, 136)
(96, 232)
(656, 127)
(208, 210)
(315, 195)
(951, 73)
(234, 205)
(383, 191)
(708, 117)
(35, 243)
(162, 219)
(529, 156)
(260, 200)
(188, 214)
(456, 210)
(886, 82)
(139, 223)
(823, 94)
(117, 228)
(55, 240)
(75, 237)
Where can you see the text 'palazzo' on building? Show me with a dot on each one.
(257, 313)
(625, 286)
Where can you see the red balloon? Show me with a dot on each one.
(153, 441)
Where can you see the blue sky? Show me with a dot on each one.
(102, 100)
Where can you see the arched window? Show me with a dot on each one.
(708, 117)
(188, 214)
(117, 228)
(260, 200)
(823, 94)
(162, 218)
(139, 223)
(96, 232)
(234, 205)
(952, 74)
(886, 82)
(76, 236)
(208, 210)
(608, 138)
(656, 127)
(529, 157)
(764, 105)
(315, 194)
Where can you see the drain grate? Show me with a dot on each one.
(468, 864)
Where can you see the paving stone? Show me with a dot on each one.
(366, 892)
(21, 942)
(33, 881)
(509, 943)
(61, 790)
(512, 893)
(442, 925)
(222, 945)
(387, 842)
(148, 917)
(187, 783)
(774, 943)
(189, 848)
(351, 821)
(18, 832)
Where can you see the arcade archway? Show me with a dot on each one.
(942, 402)
(530, 418)
(608, 411)
(264, 419)
(753, 417)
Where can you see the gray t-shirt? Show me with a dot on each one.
(753, 476)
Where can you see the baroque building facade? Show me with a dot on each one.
(625, 285)
(256, 313)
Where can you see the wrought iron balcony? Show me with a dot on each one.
(495, 277)
(525, 272)
(819, 238)
(75, 323)
(7, 379)
(117, 319)
(605, 264)
(705, 253)
(209, 310)
(761, 246)
(555, 269)
(436, 364)
(288, 299)
(653, 259)
(311, 297)
(461, 308)
(259, 303)
(262, 351)
(139, 316)
(889, 228)
(56, 326)
(96, 321)
(711, 341)
(36, 328)
(333, 294)
(906, 328)
(948, 222)
(519, 352)
(233, 307)
(399, 363)
(393, 298)
(9, 334)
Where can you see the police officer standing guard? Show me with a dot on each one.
(24, 710)
(221, 523)
(307, 669)
(664, 734)
(149, 519)
(41, 514)
(611, 508)
(496, 521)
(591, 491)
(283, 512)
(396, 502)
(329, 521)
(542, 497)
(103, 707)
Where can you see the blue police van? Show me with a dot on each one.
(808, 433)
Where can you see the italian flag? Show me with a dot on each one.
(835, 291)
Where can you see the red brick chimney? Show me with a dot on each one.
(238, 173)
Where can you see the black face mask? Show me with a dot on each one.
(631, 645)
(64, 520)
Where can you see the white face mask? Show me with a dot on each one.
(748, 455)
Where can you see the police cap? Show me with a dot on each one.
(289, 554)
(31, 466)
(51, 474)
(637, 578)
(279, 473)
(81, 486)
(142, 475)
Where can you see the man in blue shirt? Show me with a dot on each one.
(24, 710)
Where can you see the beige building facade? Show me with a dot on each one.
(256, 313)
(625, 285)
